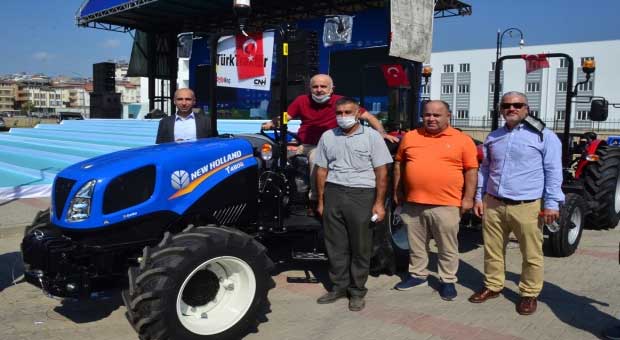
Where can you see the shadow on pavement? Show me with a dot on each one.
(96, 308)
(11, 269)
(8, 201)
(469, 239)
(574, 310)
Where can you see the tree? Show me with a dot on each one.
(27, 107)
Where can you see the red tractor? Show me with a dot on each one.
(591, 169)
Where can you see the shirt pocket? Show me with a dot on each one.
(360, 159)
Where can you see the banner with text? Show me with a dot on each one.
(245, 62)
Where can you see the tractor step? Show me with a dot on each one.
(308, 256)
(302, 279)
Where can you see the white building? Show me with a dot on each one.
(465, 80)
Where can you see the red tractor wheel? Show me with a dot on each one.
(602, 186)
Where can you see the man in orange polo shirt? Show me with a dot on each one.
(435, 175)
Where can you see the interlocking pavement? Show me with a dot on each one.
(581, 297)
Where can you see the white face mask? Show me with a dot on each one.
(321, 99)
(346, 122)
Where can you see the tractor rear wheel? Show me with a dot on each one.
(203, 283)
(399, 237)
(388, 255)
(565, 241)
(602, 184)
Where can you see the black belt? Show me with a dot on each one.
(509, 201)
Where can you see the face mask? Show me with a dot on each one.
(321, 99)
(346, 122)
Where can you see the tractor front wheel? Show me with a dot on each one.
(203, 283)
(565, 241)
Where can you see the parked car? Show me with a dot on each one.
(70, 116)
(3, 126)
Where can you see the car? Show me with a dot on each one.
(3, 126)
(70, 116)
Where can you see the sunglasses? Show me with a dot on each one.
(505, 106)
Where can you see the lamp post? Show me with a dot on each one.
(82, 94)
(498, 53)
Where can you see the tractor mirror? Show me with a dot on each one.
(599, 110)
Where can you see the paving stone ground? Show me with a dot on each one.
(581, 297)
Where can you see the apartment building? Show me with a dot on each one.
(465, 80)
(8, 91)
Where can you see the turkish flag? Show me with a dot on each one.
(250, 56)
(535, 62)
(395, 75)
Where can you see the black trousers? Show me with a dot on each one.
(348, 236)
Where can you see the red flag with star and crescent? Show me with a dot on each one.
(395, 75)
(250, 56)
(535, 62)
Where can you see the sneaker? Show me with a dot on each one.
(447, 291)
(331, 297)
(411, 282)
(356, 303)
(612, 333)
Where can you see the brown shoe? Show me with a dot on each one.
(483, 295)
(527, 305)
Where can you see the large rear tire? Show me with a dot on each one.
(390, 253)
(399, 237)
(203, 283)
(565, 241)
(602, 184)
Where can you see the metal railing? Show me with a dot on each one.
(556, 125)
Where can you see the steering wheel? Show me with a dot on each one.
(290, 136)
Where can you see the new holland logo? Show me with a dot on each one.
(179, 179)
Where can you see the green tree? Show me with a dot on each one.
(27, 107)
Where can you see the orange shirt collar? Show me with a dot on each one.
(449, 131)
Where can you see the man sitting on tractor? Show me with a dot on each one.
(317, 112)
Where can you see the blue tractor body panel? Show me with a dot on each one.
(184, 172)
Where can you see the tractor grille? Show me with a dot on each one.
(62, 188)
(229, 215)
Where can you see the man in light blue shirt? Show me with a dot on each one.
(522, 165)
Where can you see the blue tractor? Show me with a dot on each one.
(186, 224)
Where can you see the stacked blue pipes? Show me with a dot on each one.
(30, 158)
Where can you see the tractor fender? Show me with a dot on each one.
(590, 150)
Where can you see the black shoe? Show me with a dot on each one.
(331, 297)
(356, 303)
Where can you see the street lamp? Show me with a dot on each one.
(498, 53)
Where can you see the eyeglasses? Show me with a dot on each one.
(506, 106)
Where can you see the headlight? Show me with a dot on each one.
(79, 209)
(266, 152)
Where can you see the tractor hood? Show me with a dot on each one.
(136, 182)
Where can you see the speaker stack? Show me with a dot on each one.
(104, 101)
(303, 63)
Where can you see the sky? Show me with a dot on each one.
(41, 36)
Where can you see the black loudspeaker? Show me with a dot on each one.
(104, 77)
(293, 90)
(303, 56)
(303, 63)
(105, 105)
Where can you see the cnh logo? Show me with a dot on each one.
(262, 81)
